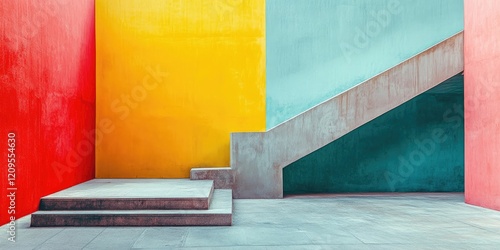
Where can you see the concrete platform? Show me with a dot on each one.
(132, 194)
(219, 214)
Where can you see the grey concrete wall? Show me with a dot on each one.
(258, 159)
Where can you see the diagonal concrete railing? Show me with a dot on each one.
(258, 159)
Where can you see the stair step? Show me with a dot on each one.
(132, 194)
(223, 177)
(219, 214)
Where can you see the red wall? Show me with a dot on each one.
(47, 97)
(482, 103)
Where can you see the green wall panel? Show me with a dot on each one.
(417, 147)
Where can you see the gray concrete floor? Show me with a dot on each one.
(404, 221)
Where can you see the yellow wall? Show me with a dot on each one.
(174, 78)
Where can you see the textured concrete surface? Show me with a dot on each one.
(259, 158)
(219, 214)
(404, 221)
(223, 177)
(123, 194)
(482, 103)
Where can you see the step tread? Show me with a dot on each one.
(132, 194)
(214, 168)
(136, 188)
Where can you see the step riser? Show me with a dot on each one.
(135, 220)
(223, 177)
(219, 213)
(124, 204)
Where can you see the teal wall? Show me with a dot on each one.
(319, 48)
(417, 147)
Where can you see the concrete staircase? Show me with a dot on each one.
(137, 202)
(258, 158)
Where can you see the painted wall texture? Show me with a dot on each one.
(482, 103)
(417, 147)
(318, 49)
(47, 99)
(174, 78)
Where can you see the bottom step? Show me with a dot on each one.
(219, 214)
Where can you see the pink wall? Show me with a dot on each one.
(482, 103)
(47, 98)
